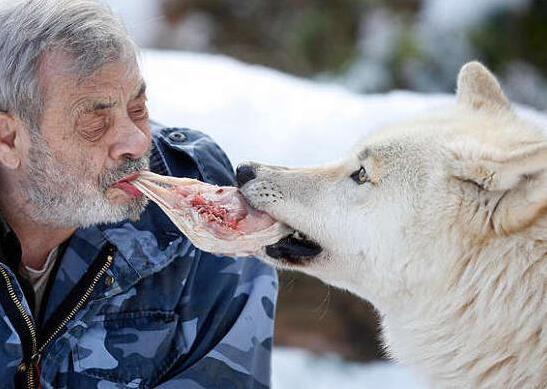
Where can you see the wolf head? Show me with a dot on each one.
(404, 209)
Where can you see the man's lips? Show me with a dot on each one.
(125, 185)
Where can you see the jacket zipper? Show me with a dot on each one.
(23, 367)
(32, 367)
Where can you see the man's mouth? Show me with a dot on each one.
(122, 191)
(295, 249)
(125, 185)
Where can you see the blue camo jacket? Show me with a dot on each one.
(135, 305)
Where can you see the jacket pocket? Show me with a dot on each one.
(128, 348)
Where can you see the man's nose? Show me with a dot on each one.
(132, 142)
(245, 173)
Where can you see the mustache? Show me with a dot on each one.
(129, 166)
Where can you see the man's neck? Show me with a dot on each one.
(37, 240)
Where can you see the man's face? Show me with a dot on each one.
(93, 132)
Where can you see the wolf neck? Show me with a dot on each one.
(488, 320)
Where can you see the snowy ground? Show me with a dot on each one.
(298, 369)
(256, 113)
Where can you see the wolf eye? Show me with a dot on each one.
(360, 176)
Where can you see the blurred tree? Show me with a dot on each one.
(372, 45)
(302, 37)
(510, 35)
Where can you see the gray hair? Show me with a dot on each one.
(84, 29)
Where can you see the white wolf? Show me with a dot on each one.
(440, 222)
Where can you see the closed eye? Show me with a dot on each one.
(140, 113)
(94, 129)
(360, 176)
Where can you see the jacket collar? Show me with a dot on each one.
(5, 229)
(10, 247)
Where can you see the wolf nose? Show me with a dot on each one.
(244, 174)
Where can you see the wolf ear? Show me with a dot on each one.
(479, 89)
(511, 186)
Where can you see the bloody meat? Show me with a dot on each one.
(215, 219)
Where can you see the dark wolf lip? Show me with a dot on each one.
(296, 249)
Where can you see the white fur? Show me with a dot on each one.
(447, 239)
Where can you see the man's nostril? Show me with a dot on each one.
(244, 174)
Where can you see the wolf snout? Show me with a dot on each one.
(245, 172)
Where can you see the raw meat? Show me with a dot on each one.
(215, 219)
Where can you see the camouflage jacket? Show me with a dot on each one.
(135, 305)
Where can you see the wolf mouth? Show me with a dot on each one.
(296, 249)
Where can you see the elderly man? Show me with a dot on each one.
(98, 289)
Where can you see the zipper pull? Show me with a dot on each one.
(35, 359)
(35, 363)
(22, 368)
(26, 376)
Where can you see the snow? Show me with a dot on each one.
(299, 369)
(256, 113)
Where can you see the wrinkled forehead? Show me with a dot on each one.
(61, 81)
(60, 73)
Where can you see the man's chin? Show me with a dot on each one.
(121, 210)
(135, 215)
(134, 208)
(124, 204)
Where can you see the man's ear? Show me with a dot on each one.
(9, 154)
(479, 89)
(511, 185)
